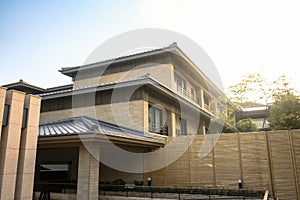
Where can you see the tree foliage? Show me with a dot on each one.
(285, 112)
(255, 89)
(246, 125)
(251, 85)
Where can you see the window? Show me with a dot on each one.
(155, 119)
(193, 97)
(183, 127)
(206, 102)
(192, 92)
(180, 82)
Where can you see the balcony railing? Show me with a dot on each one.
(192, 97)
(207, 107)
(157, 128)
(186, 93)
(180, 132)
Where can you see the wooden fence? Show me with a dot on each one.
(261, 160)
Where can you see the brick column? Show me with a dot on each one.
(10, 143)
(88, 174)
(28, 146)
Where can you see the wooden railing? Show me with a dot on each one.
(186, 93)
(157, 128)
(207, 107)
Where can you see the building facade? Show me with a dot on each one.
(140, 103)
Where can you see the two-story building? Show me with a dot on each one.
(138, 102)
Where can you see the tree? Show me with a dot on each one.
(254, 89)
(285, 112)
(281, 87)
(246, 125)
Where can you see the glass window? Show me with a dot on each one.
(155, 119)
(180, 81)
(183, 126)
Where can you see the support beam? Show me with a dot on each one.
(88, 174)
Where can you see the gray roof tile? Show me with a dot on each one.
(86, 125)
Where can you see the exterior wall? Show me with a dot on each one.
(115, 113)
(161, 72)
(18, 144)
(115, 108)
(262, 160)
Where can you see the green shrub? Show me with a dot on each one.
(138, 183)
(118, 181)
(246, 125)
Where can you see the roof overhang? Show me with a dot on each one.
(77, 130)
(98, 138)
(146, 80)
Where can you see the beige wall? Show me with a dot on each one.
(262, 160)
(113, 113)
(161, 72)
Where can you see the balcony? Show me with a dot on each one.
(180, 132)
(157, 128)
(185, 93)
(207, 107)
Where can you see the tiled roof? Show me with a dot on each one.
(70, 89)
(86, 125)
(24, 87)
(174, 44)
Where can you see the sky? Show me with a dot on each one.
(38, 38)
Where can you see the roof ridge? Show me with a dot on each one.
(174, 44)
(145, 76)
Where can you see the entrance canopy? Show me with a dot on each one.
(85, 128)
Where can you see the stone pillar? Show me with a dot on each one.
(2, 102)
(28, 146)
(173, 124)
(146, 116)
(201, 98)
(10, 143)
(202, 127)
(88, 174)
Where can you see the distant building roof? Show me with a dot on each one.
(256, 112)
(85, 125)
(24, 87)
